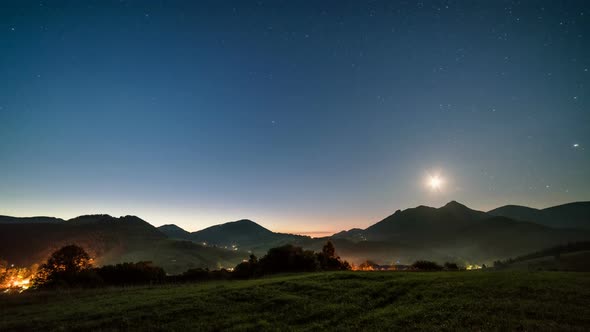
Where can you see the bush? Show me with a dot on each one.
(426, 266)
(131, 274)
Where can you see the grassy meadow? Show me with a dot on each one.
(340, 301)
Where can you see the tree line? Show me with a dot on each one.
(71, 266)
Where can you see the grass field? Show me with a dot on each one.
(343, 301)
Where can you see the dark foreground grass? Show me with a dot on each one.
(340, 301)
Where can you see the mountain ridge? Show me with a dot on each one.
(450, 232)
(108, 240)
(568, 215)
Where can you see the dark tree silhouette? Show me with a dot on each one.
(328, 250)
(288, 258)
(253, 259)
(70, 258)
(426, 266)
(328, 259)
(131, 273)
(64, 267)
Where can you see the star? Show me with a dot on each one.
(575, 145)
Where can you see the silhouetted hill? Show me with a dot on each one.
(236, 232)
(354, 234)
(424, 223)
(107, 239)
(452, 232)
(27, 243)
(571, 215)
(29, 220)
(245, 235)
(175, 232)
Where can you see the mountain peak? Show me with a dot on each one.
(171, 226)
(30, 220)
(570, 215)
(455, 205)
(242, 225)
(244, 221)
(234, 232)
(90, 218)
(174, 231)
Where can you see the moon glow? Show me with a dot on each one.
(435, 182)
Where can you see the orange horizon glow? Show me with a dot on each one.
(314, 234)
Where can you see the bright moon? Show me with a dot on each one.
(435, 182)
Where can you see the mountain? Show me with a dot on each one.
(424, 223)
(245, 235)
(240, 231)
(452, 232)
(241, 235)
(354, 234)
(174, 232)
(25, 243)
(108, 240)
(29, 220)
(571, 215)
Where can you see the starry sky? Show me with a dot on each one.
(307, 116)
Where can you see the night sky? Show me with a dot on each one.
(304, 116)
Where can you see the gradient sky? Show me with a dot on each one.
(303, 116)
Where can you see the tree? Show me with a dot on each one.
(246, 269)
(253, 259)
(328, 250)
(328, 259)
(288, 258)
(64, 267)
(131, 273)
